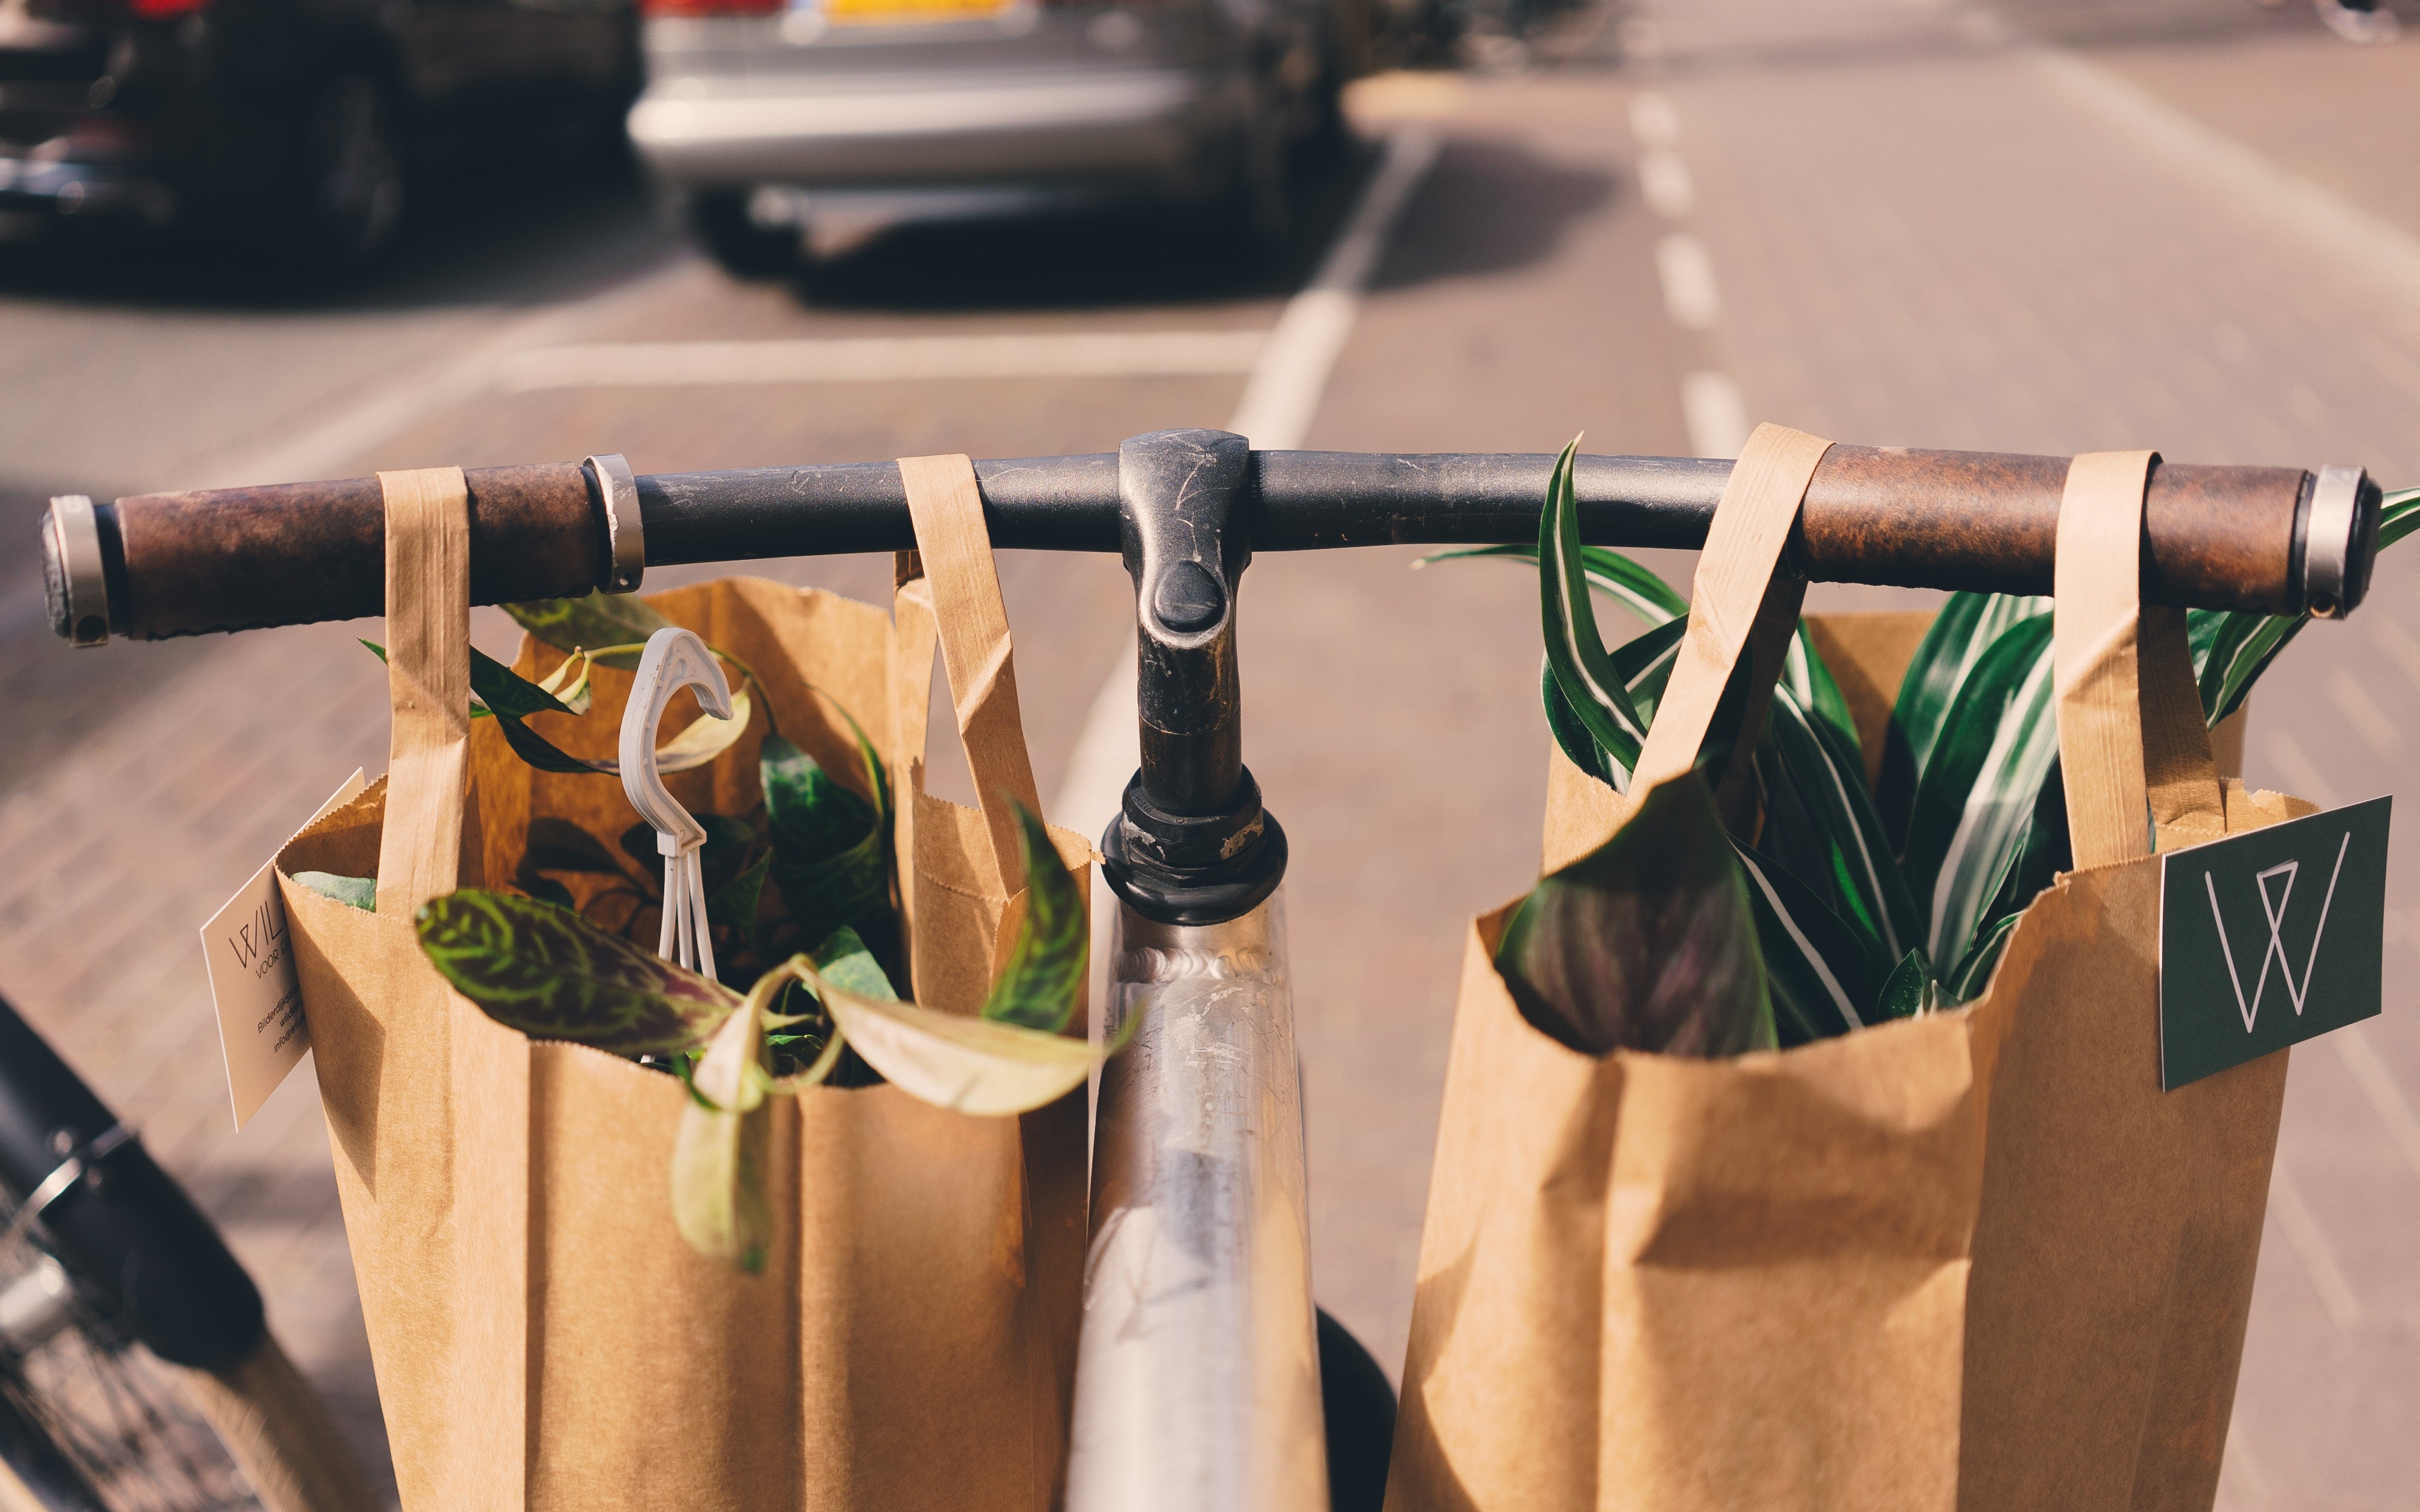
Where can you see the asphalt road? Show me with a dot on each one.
(2036, 228)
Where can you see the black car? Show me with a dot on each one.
(291, 127)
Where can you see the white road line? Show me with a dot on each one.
(2302, 775)
(875, 358)
(1664, 179)
(2399, 645)
(2375, 724)
(2330, 223)
(1716, 415)
(323, 450)
(2310, 1246)
(1653, 120)
(1303, 346)
(2377, 1085)
(1687, 274)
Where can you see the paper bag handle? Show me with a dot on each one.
(428, 682)
(2133, 749)
(948, 588)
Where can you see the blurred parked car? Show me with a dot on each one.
(762, 114)
(293, 124)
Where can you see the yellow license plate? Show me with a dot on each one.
(898, 12)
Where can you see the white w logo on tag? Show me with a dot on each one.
(2274, 907)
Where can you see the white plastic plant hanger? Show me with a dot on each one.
(675, 659)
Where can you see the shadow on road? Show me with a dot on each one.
(511, 234)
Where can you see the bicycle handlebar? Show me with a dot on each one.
(2272, 540)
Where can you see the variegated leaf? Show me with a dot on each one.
(1646, 943)
(1575, 649)
(1976, 801)
(1961, 633)
(552, 975)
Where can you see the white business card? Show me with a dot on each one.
(262, 1032)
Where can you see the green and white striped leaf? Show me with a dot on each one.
(2231, 649)
(1961, 633)
(1636, 588)
(1575, 650)
(1975, 803)
(1820, 824)
(1820, 971)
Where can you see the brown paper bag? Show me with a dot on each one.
(543, 1337)
(1820, 1278)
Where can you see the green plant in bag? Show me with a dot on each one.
(1867, 906)
(552, 975)
(1646, 943)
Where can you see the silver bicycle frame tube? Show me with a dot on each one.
(1197, 1375)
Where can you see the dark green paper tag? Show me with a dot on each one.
(2269, 938)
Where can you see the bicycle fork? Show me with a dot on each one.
(1197, 1377)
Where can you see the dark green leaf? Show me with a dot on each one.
(1647, 943)
(843, 960)
(547, 890)
(1575, 650)
(1910, 991)
(498, 690)
(555, 975)
(1808, 680)
(361, 892)
(733, 904)
(1823, 973)
(1636, 588)
(1045, 974)
(557, 844)
(1965, 628)
(811, 816)
(592, 624)
(1579, 746)
(1975, 801)
(1826, 775)
(823, 895)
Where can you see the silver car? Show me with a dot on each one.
(762, 113)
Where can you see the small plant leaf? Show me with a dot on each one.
(360, 892)
(1575, 649)
(953, 1060)
(1909, 993)
(810, 816)
(1647, 943)
(613, 627)
(1579, 746)
(1046, 969)
(547, 890)
(733, 904)
(1636, 588)
(843, 960)
(552, 975)
(720, 1202)
(557, 844)
(511, 699)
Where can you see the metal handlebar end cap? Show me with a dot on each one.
(2339, 541)
(626, 539)
(76, 581)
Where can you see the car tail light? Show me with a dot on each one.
(713, 8)
(166, 9)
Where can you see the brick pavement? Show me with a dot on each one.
(1929, 232)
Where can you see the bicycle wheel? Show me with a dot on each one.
(89, 1421)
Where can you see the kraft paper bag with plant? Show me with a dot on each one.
(1802, 1142)
(630, 1236)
